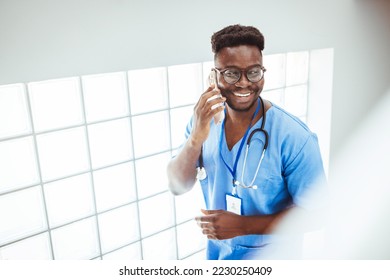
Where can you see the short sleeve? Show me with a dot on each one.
(305, 176)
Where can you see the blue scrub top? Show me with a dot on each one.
(292, 167)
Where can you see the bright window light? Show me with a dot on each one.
(162, 217)
(110, 142)
(17, 155)
(148, 185)
(114, 186)
(185, 84)
(55, 103)
(297, 68)
(76, 241)
(118, 227)
(105, 96)
(275, 76)
(295, 100)
(130, 252)
(26, 207)
(189, 239)
(179, 120)
(160, 246)
(62, 153)
(33, 248)
(14, 118)
(75, 191)
(188, 205)
(148, 90)
(276, 96)
(151, 133)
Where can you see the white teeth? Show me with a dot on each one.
(241, 94)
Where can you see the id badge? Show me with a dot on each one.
(233, 204)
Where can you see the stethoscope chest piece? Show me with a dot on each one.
(201, 173)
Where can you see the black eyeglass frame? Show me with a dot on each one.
(245, 71)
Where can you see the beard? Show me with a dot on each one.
(234, 106)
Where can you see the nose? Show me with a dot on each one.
(243, 82)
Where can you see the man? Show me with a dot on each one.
(245, 194)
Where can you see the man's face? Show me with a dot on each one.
(242, 95)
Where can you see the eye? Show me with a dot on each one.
(254, 71)
(232, 73)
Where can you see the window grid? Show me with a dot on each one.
(134, 167)
(85, 124)
(39, 170)
(90, 165)
(170, 144)
(283, 96)
(90, 171)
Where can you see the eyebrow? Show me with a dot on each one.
(233, 66)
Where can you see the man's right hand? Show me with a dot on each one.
(204, 111)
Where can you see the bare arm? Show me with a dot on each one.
(221, 224)
(182, 169)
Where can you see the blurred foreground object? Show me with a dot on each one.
(355, 224)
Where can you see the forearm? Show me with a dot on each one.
(182, 169)
(222, 224)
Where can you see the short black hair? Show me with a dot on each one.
(236, 35)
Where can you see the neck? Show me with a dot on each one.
(237, 123)
(243, 117)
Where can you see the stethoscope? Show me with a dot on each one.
(201, 172)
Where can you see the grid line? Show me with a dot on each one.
(170, 146)
(39, 170)
(134, 166)
(82, 100)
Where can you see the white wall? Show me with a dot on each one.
(43, 39)
(50, 38)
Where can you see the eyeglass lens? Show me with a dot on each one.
(233, 75)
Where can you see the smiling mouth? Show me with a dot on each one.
(242, 94)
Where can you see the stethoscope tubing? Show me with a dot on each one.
(261, 129)
(266, 136)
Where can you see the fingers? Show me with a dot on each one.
(206, 218)
(211, 101)
(209, 212)
(209, 223)
(209, 93)
(219, 224)
(206, 223)
(210, 217)
(210, 231)
(210, 234)
(206, 108)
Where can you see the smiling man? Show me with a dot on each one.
(255, 166)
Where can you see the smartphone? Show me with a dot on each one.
(218, 118)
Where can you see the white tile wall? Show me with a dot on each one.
(83, 159)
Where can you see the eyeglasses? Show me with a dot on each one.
(232, 75)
